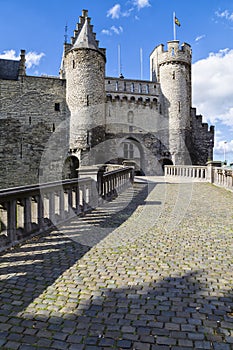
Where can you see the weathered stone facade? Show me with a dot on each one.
(50, 126)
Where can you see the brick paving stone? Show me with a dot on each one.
(124, 344)
(142, 273)
(12, 345)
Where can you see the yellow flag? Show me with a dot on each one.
(177, 22)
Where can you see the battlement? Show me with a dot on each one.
(174, 53)
(132, 87)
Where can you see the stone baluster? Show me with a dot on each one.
(11, 220)
(27, 215)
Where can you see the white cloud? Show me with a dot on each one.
(212, 95)
(225, 14)
(113, 30)
(106, 32)
(32, 58)
(116, 30)
(200, 37)
(213, 88)
(114, 12)
(9, 55)
(142, 3)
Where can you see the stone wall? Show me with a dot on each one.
(32, 111)
(202, 140)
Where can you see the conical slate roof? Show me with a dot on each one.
(85, 38)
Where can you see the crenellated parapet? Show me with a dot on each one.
(173, 53)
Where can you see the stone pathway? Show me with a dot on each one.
(151, 270)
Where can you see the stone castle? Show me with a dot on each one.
(52, 126)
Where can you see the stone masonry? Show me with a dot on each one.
(135, 274)
(49, 124)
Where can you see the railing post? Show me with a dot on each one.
(40, 211)
(11, 220)
(27, 215)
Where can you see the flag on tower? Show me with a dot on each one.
(177, 22)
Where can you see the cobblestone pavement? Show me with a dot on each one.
(150, 270)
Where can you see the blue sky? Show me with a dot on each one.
(38, 27)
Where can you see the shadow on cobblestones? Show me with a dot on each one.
(27, 270)
(173, 313)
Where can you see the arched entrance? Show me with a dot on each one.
(131, 151)
(166, 161)
(70, 168)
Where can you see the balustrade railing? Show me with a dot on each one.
(34, 209)
(219, 176)
(194, 172)
(223, 177)
(114, 182)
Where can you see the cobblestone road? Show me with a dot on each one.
(151, 270)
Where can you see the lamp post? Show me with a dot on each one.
(225, 162)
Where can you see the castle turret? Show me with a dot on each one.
(172, 69)
(83, 67)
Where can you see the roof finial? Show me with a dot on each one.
(85, 13)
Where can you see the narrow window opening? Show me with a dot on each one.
(173, 75)
(57, 107)
(116, 85)
(21, 150)
(109, 82)
(30, 120)
(140, 88)
(54, 127)
(130, 128)
(179, 106)
(87, 100)
(131, 151)
(124, 86)
(173, 52)
(73, 64)
(132, 87)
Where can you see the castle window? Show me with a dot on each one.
(109, 82)
(179, 106)
(140, 88)
(130, 128)
(117, 86)
(173, 51)
(21, 150)
(132, 87)
(57, 107)
(87, 100)
(173, 75)
(124, 86)
(147, 88)
(30, 120)
(54, 127)
(73, 64)
(128, 151)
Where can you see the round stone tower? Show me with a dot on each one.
(83, 67)
(172, 69)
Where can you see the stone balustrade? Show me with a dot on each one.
(223, 177)
(212, 173)
(194, 172)
(34, 209)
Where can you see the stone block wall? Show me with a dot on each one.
(31, 112)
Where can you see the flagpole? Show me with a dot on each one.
(174, 26)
